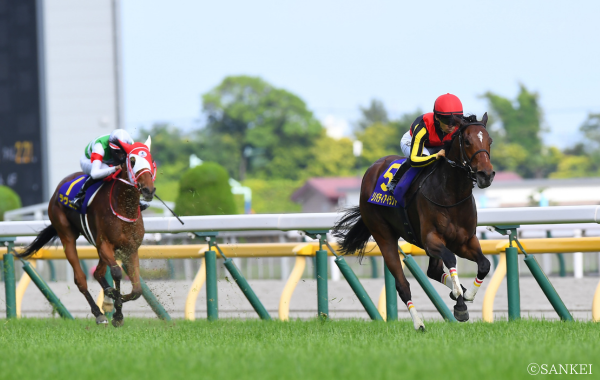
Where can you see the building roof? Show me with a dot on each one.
(507, 176)
(331, 187)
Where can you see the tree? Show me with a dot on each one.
(205, 190)
(256, 129)
(591, 129)
(9, 200)
(374, 114)
(332, 158)
(517, 142)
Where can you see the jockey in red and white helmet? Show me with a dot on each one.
(102, 157)
(423, 142)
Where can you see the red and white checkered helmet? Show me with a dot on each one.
(119, 136)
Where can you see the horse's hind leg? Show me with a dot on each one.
(472, 251)
(80, 278)
(435, 247)
(107, 254)
(392, 260)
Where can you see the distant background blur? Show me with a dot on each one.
(283, 95)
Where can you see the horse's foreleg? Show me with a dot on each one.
(133, 271)
(472, 251)
(436, 248)
(80, 278)
(107, 255)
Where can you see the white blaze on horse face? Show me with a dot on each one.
(480, 135)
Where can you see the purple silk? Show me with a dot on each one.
(380, 195)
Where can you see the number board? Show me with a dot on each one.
(20, 111)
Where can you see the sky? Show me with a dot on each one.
(338, 55)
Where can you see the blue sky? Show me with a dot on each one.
(337, 55)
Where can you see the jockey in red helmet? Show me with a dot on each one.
(424, 141)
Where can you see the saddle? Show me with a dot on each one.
(69, 190)
(381, 197)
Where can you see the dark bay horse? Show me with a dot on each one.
(441, 211)
(113, 224)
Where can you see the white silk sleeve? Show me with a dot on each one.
(100, 170)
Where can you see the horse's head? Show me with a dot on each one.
(141, 169)
(474, 144)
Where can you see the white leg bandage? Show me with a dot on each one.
(456, 289)
(472, 290)
(417, 322)
(446, 280)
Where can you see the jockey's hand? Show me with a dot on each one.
(441, 153)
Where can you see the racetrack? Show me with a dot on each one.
(251, 349)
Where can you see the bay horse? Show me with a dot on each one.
(113, 224)
(441, 210)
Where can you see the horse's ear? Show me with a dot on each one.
(148, 142)
(457, 120)
(484, 119)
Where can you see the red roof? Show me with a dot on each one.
(331, 187)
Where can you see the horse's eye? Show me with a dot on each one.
(132, 160)
(467, 142)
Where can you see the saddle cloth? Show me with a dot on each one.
(69, 190)
(380, 195)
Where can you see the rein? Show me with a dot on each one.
(123, 218)
(465, 166)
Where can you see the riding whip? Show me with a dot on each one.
(175, 215)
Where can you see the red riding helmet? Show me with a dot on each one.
(447, 105)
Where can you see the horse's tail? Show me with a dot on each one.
(351, 232)
(47, 235)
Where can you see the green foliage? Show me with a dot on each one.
(573, 167)
(272, 196)
(205, 190)
(516, 128)
(381, 139)
(591, 128)
(169, 146)
(9, 200)
(256, 129)
(374, 114)
(332, 158)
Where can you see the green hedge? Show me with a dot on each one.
(9, 200)
(205, 190)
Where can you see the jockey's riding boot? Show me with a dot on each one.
(144, 205)
(77, 202)
(397, 176)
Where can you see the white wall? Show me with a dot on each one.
(82, 73)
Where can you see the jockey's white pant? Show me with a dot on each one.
(406, 142)
(97, 170)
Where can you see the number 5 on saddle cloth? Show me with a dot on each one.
(380, 195)
(69, 190)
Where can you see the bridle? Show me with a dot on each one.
(466, 161)
(464, 165)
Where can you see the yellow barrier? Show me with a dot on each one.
(487, 312)
(489, 247)
(22, 287)
(190, 302)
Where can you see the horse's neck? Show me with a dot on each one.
(126, 196)
(455, 178)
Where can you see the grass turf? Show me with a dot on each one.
(233, 349)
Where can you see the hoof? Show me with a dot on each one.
(461, 315)
(452, 294)
(101, 320)
(421, 329)
(117, 322)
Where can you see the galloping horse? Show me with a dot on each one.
(113, 224)
(441, 209)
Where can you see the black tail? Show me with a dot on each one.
(48, 235)
(351, 233)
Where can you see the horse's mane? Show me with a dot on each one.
(463, 122)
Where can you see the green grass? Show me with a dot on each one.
(230, 349)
